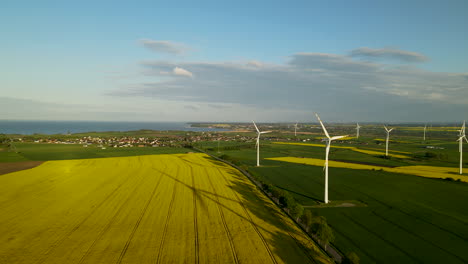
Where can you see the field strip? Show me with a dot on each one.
(144, 209)
(365, 151)
(288, 231)
(423, 171)
(77, 226)
(137, 224)
(166, 224)
(382, 238)
(415, 234)
(223, 219)
(110, 222)
(265, 244)
(286, 228)
(195, 223)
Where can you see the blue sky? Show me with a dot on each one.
(268, 60)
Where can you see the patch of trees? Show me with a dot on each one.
(315, 225)
(430, 155)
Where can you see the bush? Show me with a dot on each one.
(307, 218)
(286, 200)
(275, 192)
(296, 211)
(351, 258)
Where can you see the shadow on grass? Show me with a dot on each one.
(288, 242)
(284, 241)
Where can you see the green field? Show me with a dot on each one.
(184, 208)
(408, 219)
(43, 152)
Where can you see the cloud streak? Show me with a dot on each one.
(164, 46)
(339, 85)
(388, 53)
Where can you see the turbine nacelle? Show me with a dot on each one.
(388, 130)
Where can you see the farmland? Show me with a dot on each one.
(153, 208)
(399, 216)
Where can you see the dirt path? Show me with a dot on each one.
(7, 167)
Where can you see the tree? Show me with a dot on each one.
(286, 200)
(322, 230)
(296, 211)
(306, 219)
(351, 258)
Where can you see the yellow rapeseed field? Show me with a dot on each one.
(366, 151)
(181, 208)
(424, 171)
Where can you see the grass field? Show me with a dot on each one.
(423, 171)
(143, 209)
(407, 219)
(43, 152)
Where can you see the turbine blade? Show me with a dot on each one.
(256, 126)
(337, 137)
(264, 132)
(323, 127)
(386, 128)
(390, 130)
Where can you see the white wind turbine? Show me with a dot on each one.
(295, 129)
(425, 127)
(258, 142)
(328, 141)
(388, 138)
(460, 142)
(357, 130)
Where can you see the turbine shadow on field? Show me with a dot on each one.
(301, 194)
(259, 205)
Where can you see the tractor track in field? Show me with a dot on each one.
(76, 227)
(391, 207)
(350, 240)
(137, 224)
(418, 236)
(109, 223)
(195, 223)
(265, 244)
(383, 239)
(223, 219)
(300, 245)
(168, 216)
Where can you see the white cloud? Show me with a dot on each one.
(164, 46)
(255, 63)
(331, 83)
(182, 72)
(389, 53)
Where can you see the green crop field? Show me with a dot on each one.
(143, 209)
(43, 152)
(401, 218)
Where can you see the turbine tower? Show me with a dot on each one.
(425, 126)
(295, 129)
(258, 142)
(328, 141)
(388, 138)
(357, 130)
(460, 142)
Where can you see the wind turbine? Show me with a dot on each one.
(460, 142)
(357, 130)
(295, 129)
(388, 138)
(425, 126)
(328, 141)
(258, 142)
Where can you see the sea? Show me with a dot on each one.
(65, 127)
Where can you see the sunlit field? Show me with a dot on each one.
(424, 171)
(144, 209)
(408, 210)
